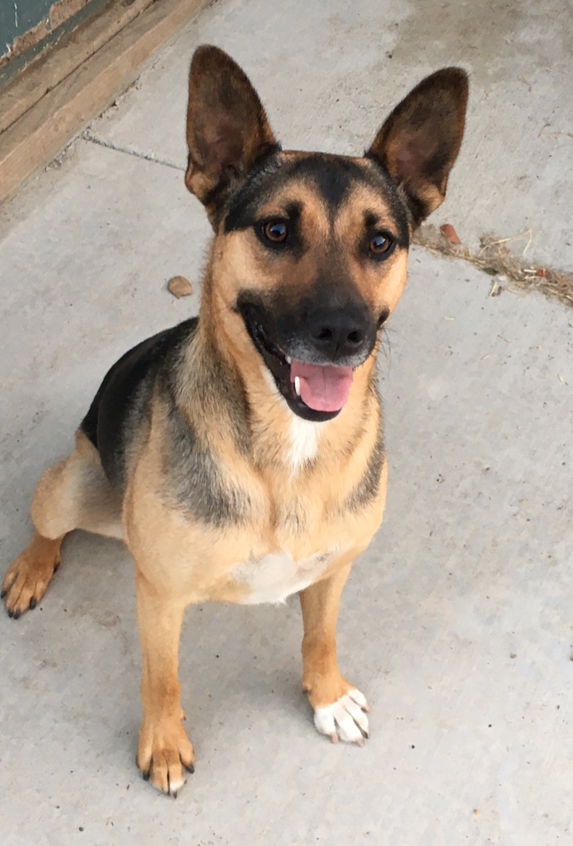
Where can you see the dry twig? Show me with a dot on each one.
(494, 257)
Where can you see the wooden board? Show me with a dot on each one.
(52, 68)
(44, 129)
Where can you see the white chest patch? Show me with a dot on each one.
(273, 577)
(304, 436)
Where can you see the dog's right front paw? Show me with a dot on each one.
(163, 754)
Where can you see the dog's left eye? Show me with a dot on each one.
(381, 244)
(275, 231)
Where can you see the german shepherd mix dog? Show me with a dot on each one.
(240, 454)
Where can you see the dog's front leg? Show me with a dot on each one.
(164, 748)
(339, 708)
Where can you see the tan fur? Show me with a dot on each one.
(75, 494)
(322, 679)
(72, 494)
(29, 575)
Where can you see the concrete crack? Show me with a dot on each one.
(148, 157)
(495, 259)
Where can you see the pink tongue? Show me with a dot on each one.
(322, 387)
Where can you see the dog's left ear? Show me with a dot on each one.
(227, 128)
(419, 142)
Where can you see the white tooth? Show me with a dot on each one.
(297, 386)
(288, 359)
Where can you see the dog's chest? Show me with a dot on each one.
(273, 577)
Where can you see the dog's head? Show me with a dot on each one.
(310, 252)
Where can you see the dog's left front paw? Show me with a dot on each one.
(345, 719)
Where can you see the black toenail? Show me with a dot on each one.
(174, 795)
(17, 615)
(33, 603)
(190, 768)
(10, 613)
(3, 594)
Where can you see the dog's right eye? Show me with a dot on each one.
(274, 231)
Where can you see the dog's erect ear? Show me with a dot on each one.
(227, 128)
(420, 140)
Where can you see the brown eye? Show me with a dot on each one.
(275, 231)
(381, 243)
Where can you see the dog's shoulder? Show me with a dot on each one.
(123, 397)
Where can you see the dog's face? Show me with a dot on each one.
(313, 256)
(310, 255)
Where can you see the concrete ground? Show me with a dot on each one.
(458, 621)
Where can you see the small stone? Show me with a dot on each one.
(179, 286)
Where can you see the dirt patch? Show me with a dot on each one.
(505, 267)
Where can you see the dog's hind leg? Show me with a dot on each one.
(72, 494)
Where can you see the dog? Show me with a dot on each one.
(240, 454)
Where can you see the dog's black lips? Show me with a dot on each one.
(276, 361)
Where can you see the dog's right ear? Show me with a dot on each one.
(227, 128)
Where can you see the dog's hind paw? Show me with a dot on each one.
(29, 575)
(344, 719)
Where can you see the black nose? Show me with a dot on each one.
(337, 332)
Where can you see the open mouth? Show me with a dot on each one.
(313, 391)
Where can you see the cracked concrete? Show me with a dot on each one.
(512, 270)
(87, 135)
(343, 69)
(457, 621)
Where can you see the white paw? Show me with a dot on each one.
(345, 719)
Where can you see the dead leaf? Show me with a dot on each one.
(179, 286)
(450, 233)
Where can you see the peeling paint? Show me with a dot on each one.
(26, 24)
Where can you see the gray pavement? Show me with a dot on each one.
(458, 622)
